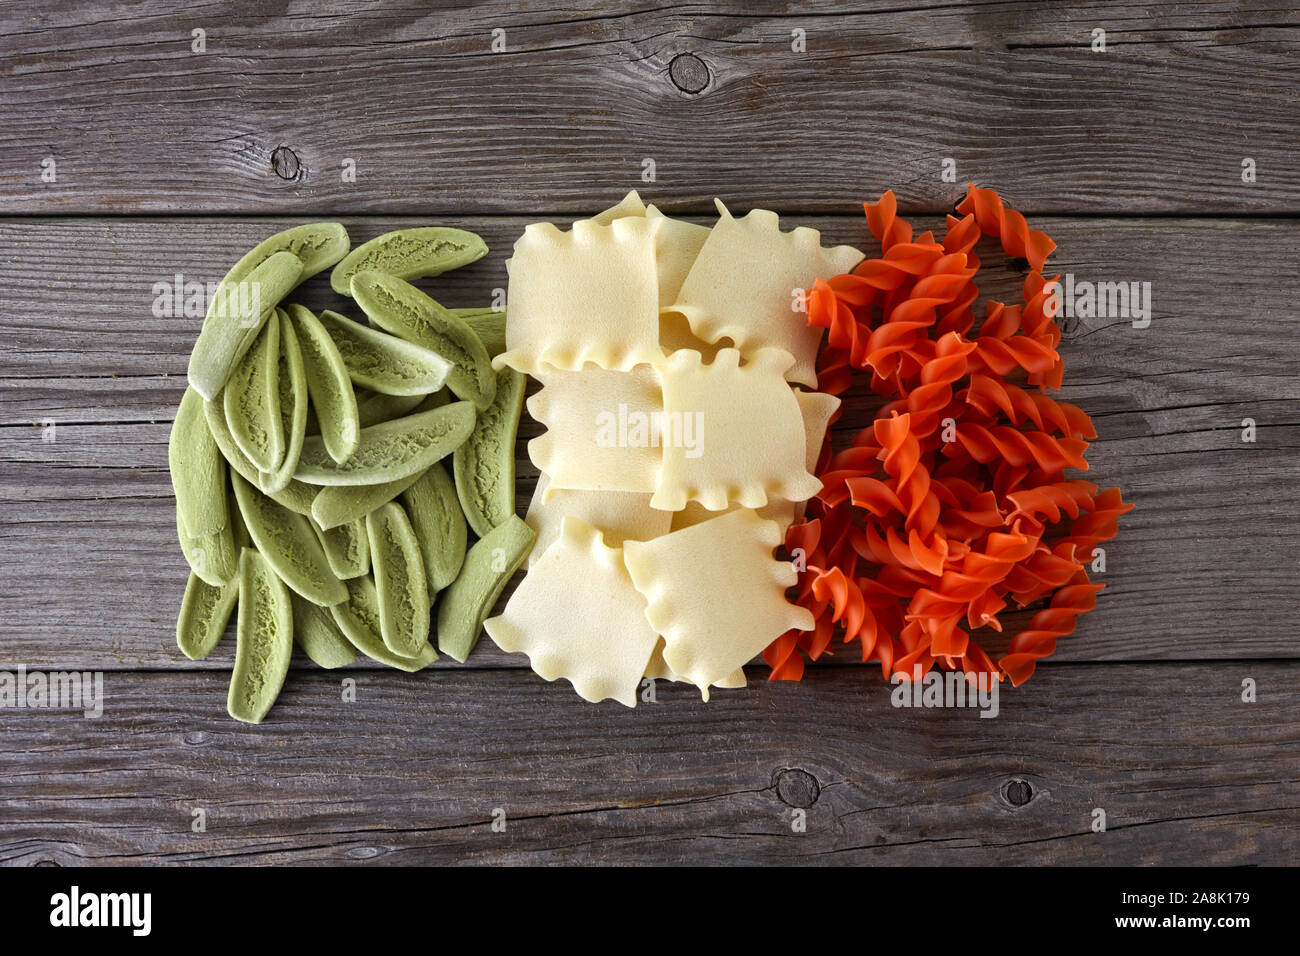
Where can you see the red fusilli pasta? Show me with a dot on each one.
(954, 505)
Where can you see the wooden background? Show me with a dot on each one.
(171, 161)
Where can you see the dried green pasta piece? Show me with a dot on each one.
(239, 530)
(333, 400)
(288, 543)
(484, 465)
(291, 378)
(251, 400)
(488, 566)
(402, 309)
(391, 450)
(264, 639)
(198, 471)
(439, 526)
(295, 496)
(211, 556)
(399, 579)
(230, 330)
(410, 254)
(346, 548)
(383, 362)
(339, 504)
(318, 245)
(378, 407)
(316, 633)
(358, 619)
(205, 611)
(436, 400)
(488, 324)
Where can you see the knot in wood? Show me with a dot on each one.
(1018, 792)
(688, 73)
(285, 163)
(797, 788)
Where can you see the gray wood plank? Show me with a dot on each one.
(1203, 568)
(264, 119)
(412, 772)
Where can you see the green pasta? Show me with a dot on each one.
(264, 640)
(488, 324)
(319, 637)
(227, 334)
(211, 556)
(358, 619)
(383, 362)
(198, 471)
(489, 565)
(346, 548)
(402, 309)
(399, 580)
(205, 611)
(340, 504)
(295, 496)
(439, 526)
(317, 245)
(288, 543)
(484, 464)
(251, 400)
(376, 407)
(333, 400)
(410, 254)
(291, 382)
(391, 450)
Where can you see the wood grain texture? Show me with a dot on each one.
(412, 772)
(170, 161)
(435, 121)
(89, 516)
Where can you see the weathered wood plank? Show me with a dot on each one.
(1203, 568)
(435, 120)
(412, 772)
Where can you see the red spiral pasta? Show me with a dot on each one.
(954, 505)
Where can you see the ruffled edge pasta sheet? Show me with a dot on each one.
(677, 243)
(572, 405)
(715, 593)
(741, 286)
(629, 205)
(733, 461)
(587, 295)
(577, 616)
(817, 409)
(658, 669)
(618, 515)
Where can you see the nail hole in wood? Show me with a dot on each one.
(285, 163)
(796, 788)
(1018, 792)
(688, 73)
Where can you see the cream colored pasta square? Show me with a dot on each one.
(658, 669)
(741, 286)
(780, 510)
(817, 409)
(715, 593)
(578, 616)
(629, 205)
(618, 515)
(587, 295)
(677, 245)
(732, 433)
(598, 435)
